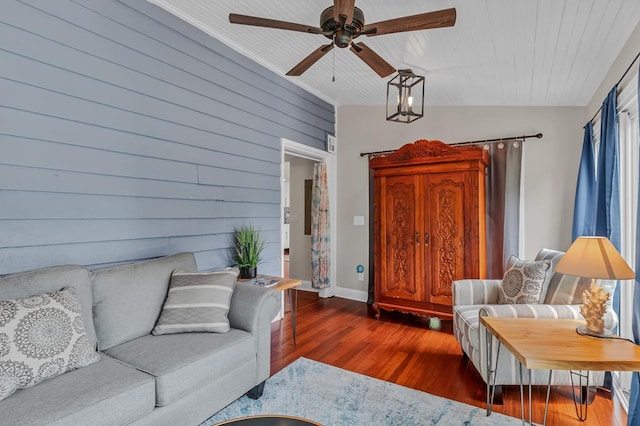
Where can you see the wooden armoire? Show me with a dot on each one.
(429, 225)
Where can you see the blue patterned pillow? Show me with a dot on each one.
(524, 281)
(41, 337)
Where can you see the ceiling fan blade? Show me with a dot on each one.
(310, 60)
(371, 58)
(423, 21)
(234, 18)
(345, 8)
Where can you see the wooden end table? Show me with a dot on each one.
(554, 344)
(284, 285)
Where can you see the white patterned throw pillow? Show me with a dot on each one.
(41, 337)
(524, 281)
(197, 301)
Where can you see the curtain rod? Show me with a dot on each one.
(478, 142)
(619, 81)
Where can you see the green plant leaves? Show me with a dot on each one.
(249, 246)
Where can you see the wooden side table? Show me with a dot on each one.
(554, 344)
(286, 285)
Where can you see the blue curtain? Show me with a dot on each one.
(608, 179)
(633, 417)
(584, 219)
(608, 198)
(608, 192)
(597, 203)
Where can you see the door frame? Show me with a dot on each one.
(297, 149)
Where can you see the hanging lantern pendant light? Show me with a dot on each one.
(405, 97)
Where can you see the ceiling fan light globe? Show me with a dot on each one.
(342, 38)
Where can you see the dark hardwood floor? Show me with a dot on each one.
(402, 349)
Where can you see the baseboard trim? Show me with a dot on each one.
(345, 293)
(623, 398)
(351, 294)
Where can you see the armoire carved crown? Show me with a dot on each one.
(428, 150)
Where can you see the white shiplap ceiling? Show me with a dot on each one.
(500, 52)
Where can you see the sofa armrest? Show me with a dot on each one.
(252, 309)
(545, 311)
(475, 292)
(251, 306)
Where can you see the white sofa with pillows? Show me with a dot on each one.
(530, 289)
(146, 343)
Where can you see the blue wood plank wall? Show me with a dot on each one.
(125, 134)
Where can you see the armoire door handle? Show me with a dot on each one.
(417, 238)
(426, 238)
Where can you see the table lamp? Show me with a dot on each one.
(595, 258)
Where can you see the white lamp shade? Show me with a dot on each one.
(594, 257)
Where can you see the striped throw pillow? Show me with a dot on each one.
(197, 302)
(567, 289)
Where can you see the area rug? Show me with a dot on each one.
(333, 397)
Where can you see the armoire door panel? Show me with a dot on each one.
(399, 247)
(446, 251)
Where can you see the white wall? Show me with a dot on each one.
(299, 243)
(549, 168)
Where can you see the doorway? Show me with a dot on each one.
(296, 229)
(300, 159)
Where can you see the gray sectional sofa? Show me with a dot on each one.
(144, 379)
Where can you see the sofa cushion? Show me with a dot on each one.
(182, 363)
(197, 301)
(127, 299)
(524, 281)
(105, 393)
(41, 337)
(48, 280)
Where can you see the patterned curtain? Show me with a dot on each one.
(320, 239)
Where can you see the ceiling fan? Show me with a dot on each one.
(343, 22)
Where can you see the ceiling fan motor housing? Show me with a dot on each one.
(339, 33)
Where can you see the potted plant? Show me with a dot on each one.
(249, 246)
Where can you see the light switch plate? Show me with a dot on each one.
(331, 143)
(358, 220)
